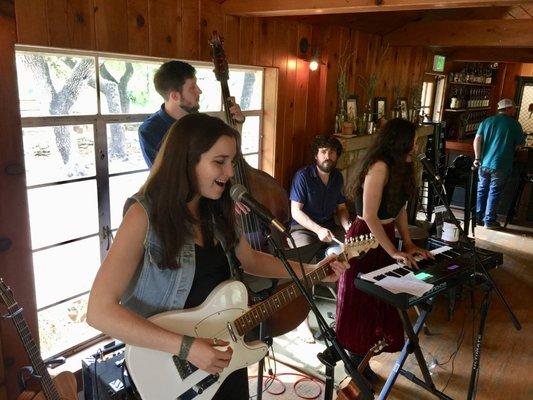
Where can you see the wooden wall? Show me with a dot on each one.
(180, 29)
(510, 72)
(306, 104)
(15, 247)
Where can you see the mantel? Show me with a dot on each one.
(358, 143)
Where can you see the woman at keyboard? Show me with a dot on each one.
(384, 185)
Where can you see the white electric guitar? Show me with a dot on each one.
(223, 315)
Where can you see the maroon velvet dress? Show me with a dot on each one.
(362, 320)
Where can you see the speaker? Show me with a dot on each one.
(106, 378)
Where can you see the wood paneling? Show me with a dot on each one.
(508, 73)
(56, 22)
(165, 26)
(16, 259)
(526, 70)
(111, 25)
(80, 22)
(28, 31)
(190, 29)
(482, 33)
(211, 19)
(488, 54)
(137, 21)
(248, 40)
(276, 8)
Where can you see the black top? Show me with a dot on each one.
(212, 268)
(393, 199)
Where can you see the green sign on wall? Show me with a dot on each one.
(438, 63)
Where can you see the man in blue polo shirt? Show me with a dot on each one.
(175, 81)
(317, 195)
(494, 147)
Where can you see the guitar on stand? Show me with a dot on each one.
(63, 386)
(351, 391)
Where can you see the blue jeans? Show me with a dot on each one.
(489, 190)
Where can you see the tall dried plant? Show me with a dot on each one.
(345, 58)
(369, 84)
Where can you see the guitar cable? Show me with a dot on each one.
(453, 355)
(273, 376)
(270, 373)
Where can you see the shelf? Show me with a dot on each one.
(466, 109)
(436, 73)
(471, 84)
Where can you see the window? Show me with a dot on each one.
(80, 114)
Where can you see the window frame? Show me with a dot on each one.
(99, 122)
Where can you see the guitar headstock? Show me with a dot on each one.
(219, 57)
(379, 346)
(356, 247)
(6, 294)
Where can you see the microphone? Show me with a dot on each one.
(240, 193)
(429, 168)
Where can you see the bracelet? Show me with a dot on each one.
(186, 343)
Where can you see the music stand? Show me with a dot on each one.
(481, 276)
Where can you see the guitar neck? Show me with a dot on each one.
(363, 364)
(265, 309)
(32, 350)
(227, 104)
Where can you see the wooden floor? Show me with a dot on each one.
(507, 354)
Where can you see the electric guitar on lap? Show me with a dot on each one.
(223, 315)
(63, 386)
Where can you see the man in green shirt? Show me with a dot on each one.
(494, 146)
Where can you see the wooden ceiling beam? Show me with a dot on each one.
(487, 54)
(475, 33)
(277, 8)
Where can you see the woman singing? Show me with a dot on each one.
(176, 243)
(385, 183)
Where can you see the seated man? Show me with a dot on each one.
(316, 196)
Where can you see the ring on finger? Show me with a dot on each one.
(215, 341)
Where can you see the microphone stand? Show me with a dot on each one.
(480, 272)
(329, 334)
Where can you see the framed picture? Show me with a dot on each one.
(380, 107)
(403, 107)
(351, 107)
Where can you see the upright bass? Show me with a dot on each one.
(261, 185)
(267, 191)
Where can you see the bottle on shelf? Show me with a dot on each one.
(454, 99)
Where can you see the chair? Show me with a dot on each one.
(460, 174)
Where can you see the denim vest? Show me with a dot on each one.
(153, 290)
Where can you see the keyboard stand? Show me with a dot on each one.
(412, 345)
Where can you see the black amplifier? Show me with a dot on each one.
(106, 378)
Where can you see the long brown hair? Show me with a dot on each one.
(173, 183)
(391, 145)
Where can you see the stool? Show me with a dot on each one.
(460, 174)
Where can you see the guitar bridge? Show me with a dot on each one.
(185, 369)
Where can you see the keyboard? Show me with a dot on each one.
(452, 266)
